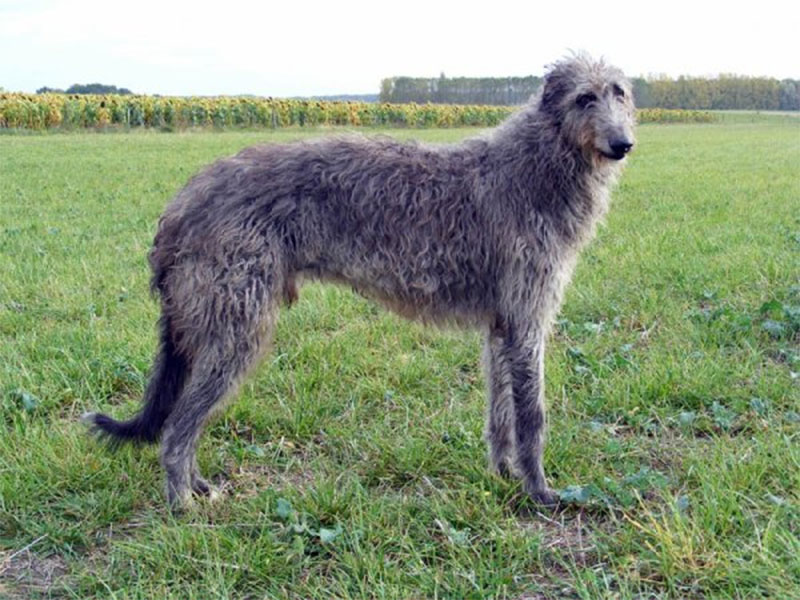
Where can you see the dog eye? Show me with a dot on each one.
(585, 100)
(618, 91)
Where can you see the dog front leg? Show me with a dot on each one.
(525, 355)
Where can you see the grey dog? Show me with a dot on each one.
(484, 233)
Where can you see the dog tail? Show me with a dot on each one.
(165, 385)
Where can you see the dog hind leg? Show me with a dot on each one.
(500, 414)
(236, 326)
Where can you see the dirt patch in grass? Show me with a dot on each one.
(567, 538)
(24, 573)
(570, 528)
(252, 479)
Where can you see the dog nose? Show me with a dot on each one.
(621, 147)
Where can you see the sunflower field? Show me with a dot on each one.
(74, 111)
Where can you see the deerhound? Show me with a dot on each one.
(484, 233)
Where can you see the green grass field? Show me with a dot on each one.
(353, 461)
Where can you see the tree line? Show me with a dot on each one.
(459, 90)
(725, 92)
(86, 88)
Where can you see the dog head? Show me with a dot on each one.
(591, 104)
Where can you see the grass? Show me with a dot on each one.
(353, 459)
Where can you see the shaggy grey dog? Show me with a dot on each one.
(483, 234)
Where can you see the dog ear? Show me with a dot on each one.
(555, 86)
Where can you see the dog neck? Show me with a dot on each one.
(564, 189)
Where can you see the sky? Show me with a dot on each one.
(308, 47)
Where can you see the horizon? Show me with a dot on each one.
(649, 78)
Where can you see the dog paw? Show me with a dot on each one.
(501, 468)
(214, 495)
(181, 506)
(180, 500)
(545, 497)
(204, 489)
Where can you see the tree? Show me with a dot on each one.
(459, 90)
(387, 87)
(789, 95)
(48, 90)
(96, 88)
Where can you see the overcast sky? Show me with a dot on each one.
(307, 47)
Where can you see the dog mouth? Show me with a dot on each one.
(619, 155)
(617, 149)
